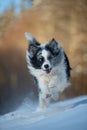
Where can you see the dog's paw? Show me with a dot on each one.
(54, 93)
(48, 95)
(55, 96)
(45, 95)
(42, 105)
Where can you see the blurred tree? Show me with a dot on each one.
(25, 4)
(5, 20)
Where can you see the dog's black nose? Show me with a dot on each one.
(46, 66)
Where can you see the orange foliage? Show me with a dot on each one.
(64, 20)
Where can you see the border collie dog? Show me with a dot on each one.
(50, 67)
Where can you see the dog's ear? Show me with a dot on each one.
(31, 39)
(53, 43)
(32, 49)
(54, 46)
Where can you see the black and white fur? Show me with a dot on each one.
(50, 67)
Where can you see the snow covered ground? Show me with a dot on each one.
(65, 115)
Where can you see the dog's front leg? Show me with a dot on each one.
(43, 94)
(42, 99)
(42, 102)
(53, 88)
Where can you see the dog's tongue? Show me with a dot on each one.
(48, 71)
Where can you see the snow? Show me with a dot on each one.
(64, 115)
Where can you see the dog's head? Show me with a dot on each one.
(43, 56)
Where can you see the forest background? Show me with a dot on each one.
(65, 20)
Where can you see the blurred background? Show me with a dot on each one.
(65, 20)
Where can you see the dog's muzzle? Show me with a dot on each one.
(47, 68)
(47, 71)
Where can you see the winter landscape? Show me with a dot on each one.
(64, 20)
(65, 115)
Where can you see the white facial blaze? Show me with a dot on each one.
(45, 54)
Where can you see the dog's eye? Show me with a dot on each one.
(49, 57)
(41, 59)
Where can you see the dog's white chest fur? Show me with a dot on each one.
(53, 82)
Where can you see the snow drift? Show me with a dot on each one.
(65, 115)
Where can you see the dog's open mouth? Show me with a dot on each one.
(48, 70)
